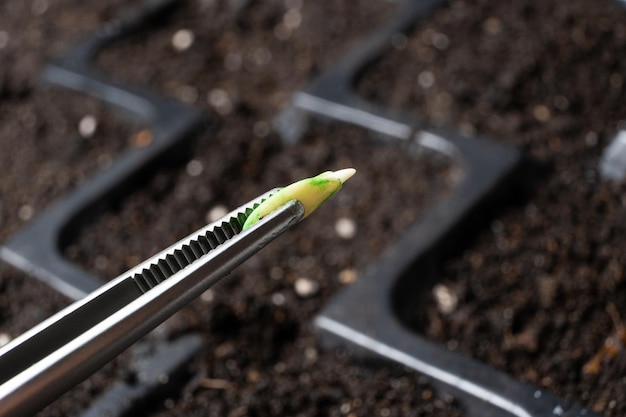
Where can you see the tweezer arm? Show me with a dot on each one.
(45, 362)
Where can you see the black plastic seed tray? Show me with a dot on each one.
(364, 317)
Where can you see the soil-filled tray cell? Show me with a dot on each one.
(52, 142)
(545, 76)
(226, 56)
(394, 185)
(540, 294)
(256, 323)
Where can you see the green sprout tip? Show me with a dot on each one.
(311, 192)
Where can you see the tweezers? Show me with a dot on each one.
(40, 365)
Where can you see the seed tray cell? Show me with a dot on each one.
(170, 125)
(260, 304)
(420, 180)
(37, 125)
(539, 99)
(251, 57)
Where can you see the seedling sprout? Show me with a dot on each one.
(311, 192)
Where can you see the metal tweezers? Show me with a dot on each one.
(40, 365)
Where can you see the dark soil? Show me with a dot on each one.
(34, 32)
(542, 291)
(20, 303)
(240, 48)
(260, 357)
(44, 155)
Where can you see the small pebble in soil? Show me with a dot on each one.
(441, 41)
(278, 299)
(542, 113)
(4, 338)
(347, 276)
(213, 383)
(207, 296)
(219, 99)
(310, 354)
(101, 262)
(446, 299)
(194, 168)
(426, 79)
(253, 376)
(292, 19)
(26, 212)
(182, 39)
(591, 139)
(223, 350)
(492, 26)
(87, 126)
(141, 139)
(164, 378)
(217, 212)
(306, 287)
(345, 228)
(282, 32)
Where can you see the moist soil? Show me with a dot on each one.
(541, 293)
(45, 155)
(260, 355)
(246, 56)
